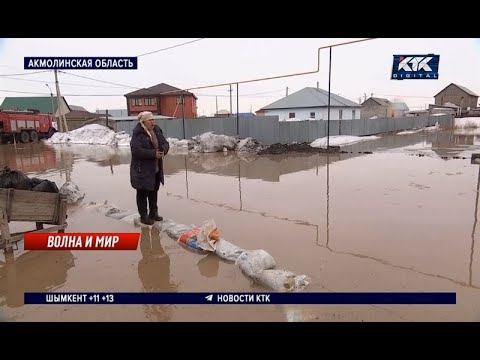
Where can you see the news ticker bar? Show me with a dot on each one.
(392, 298)
(80, 63)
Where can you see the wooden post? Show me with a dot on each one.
(8, 248)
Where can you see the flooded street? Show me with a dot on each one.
(394, 214)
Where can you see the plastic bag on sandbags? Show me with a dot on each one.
(254, 261)
(281, 280)
(227, 251)
(203, 238)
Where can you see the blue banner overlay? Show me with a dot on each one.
(241, 298)
(80, 63)
(406, 67)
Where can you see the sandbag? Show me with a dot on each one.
(281, 280)
(254, 261)
(227, 251)
(14, 179)
(257, 265)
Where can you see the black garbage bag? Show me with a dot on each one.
(46, 186)
(14, 179)
(34, 182)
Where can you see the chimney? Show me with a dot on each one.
(318, 85)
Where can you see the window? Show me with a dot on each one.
(312, 115)
(179, 99)
(150, 101)
(291, 115)
(136, 102)
(353, 114)
(340, 114)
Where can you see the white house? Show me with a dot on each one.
(312, 104)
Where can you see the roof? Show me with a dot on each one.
(244, 114)
(379, 101)
(77, 108)
(463, 88)
(77, 114)
(159, 89)
(310, 97)
(40, 103)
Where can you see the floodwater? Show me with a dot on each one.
(401, 218)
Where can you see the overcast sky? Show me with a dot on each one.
(358, 70)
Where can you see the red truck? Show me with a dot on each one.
(25, 125)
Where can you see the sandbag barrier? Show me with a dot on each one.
(257, 265)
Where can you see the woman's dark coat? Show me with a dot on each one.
(142, 167)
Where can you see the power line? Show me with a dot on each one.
(102, 81)
(23, 92)
(410, 96)
(48, 94)
(254, 94)
(24, 74)
(170, 47)
(63, 83)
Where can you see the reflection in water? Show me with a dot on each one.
(475, 219)
(154, 272)
(29, 158)
(240, 185)
(272, 167)
(328, 200)
(186, 174)
(264, 166)
(33, 271)
(209, 265)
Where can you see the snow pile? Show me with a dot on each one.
(209, 142)
(340, 140)
(74, 195)
(123, 139)
(408, 132)
(175, 143)
(249, 145)
(92, 134)
(467, 122)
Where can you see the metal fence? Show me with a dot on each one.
(268, 130)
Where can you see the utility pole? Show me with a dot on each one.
(328, 113)
(238, 118)
(216, 106)
(59, 108)
(230, 99)
(53, 107)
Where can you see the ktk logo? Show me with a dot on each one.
(406, 67)
(417, 63)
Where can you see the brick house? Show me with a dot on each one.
(162, 99)
(378, 107)
(458, 95)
